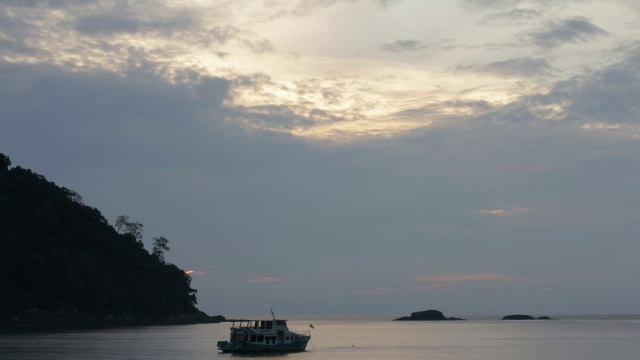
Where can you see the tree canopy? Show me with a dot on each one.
(128, 227)
(160, 245)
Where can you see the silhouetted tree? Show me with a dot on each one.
(160, 245)
(5, 162)
(133, 228)
(73, 196)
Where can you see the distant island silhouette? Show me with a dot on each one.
(427, 315)
(62, 265)
(525, 317)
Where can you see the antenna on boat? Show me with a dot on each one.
(273, 316)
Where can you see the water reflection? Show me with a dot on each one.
(585, 339)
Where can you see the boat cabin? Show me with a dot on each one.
(269, 332)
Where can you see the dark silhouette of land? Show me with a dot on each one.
(525, 317)
(427, 315)
(62, 265)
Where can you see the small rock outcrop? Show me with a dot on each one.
(518, 317)
(427, 315)
(525, 317)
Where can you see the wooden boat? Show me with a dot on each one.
(263, 336)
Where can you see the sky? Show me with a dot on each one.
(347, 157)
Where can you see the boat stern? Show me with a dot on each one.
(226, 346)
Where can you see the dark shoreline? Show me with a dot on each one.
(28, 326)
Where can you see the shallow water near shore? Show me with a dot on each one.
(584, 338)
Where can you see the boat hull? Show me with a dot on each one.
(228, 347)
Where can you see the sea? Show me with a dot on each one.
(337, 337)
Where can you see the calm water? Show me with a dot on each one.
(353, 338)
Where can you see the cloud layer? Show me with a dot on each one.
(570, 30)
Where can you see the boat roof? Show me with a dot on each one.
(243, 320)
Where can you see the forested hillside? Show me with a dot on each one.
(62, 258)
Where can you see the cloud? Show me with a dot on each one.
(202, 273)
(504, 212)
(126, 35)
(455, 278)
(518, 67)
(403, 45)
(13, 47)
(507, 4)
(51, 3)
(386, 3)
(307, 7)
(119, 19)
(512, 16)
(606, 96)
(223, 34)
(494, 212)
(446, 110)
(93, 111)
(102, 34)
(595, 98)
(488, 4)
(264, 279)
(107, 24)
(572, 30)
(276, 117)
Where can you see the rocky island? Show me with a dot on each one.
(525, 317)
(62, 265)
(427, 315)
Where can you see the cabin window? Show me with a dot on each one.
(269, 324)
(260, 338)
(233, 338)
(252, 338)
(281, 322)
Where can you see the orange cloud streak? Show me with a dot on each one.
(504, 212)
(264, 279)
(199, 272)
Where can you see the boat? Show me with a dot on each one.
(260, 336)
